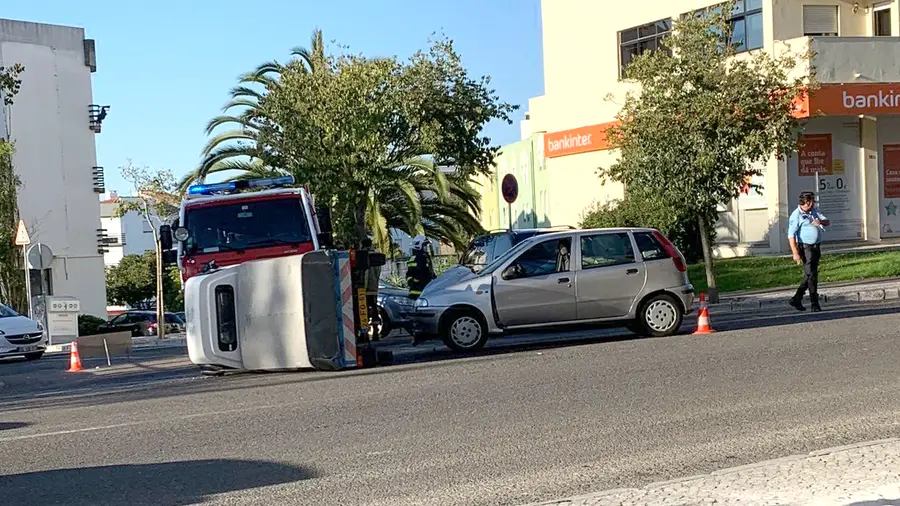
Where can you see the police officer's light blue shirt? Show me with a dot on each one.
(800, 226)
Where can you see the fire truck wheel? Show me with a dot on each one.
(464, 330)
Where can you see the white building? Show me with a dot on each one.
(52, 123)
(129, 234)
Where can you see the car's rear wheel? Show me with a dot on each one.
(659, 316)
(34, 356)
(464, 330)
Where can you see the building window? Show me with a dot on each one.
(635, 41)
(746, 23)
(882, 20)
(820, 20)
(148, 229)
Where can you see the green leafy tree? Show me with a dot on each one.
(12, 275)
(133, 282)
(360, 127)
(701, 120)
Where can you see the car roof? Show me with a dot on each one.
(588, 231)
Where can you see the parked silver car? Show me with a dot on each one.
(630, 276)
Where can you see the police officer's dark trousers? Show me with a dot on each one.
(810, 255)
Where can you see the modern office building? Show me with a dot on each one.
(852, 153)
(53, 122)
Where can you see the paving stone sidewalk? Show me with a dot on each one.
(866, 474)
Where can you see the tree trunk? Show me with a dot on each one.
(712, 291)
(160, 303)
(360, 223)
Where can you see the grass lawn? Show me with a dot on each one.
(753, 273)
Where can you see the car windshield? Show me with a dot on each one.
(7, 312)
(246, 224)
(491, 267)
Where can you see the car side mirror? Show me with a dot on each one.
(512, 272)
(165, 237)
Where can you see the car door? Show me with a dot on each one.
(609, 277)
(537, 287)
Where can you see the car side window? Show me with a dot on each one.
(545, 258)
(607, 249)
(118, 320)
(650, 248)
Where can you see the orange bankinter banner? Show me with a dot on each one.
(815, 156)
(891, 161)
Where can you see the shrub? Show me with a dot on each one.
(89, 325)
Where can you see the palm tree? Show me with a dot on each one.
(236, 149)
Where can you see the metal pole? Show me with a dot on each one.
(27, 281)
(510, 217)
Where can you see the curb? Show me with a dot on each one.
(582, 499)
(136, 344)
(750, 303)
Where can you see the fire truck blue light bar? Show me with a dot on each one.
(266, 182)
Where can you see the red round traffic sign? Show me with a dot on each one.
(510, 188)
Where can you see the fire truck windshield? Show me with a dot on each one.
(244, 225)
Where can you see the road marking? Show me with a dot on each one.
(144, 422)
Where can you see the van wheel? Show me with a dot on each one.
(464, 330)
(659, 316)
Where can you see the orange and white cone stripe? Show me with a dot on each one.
(703, 324)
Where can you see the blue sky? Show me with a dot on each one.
(165, 67)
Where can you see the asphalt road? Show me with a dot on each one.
(510, 426)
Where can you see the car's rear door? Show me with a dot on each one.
(609, 276)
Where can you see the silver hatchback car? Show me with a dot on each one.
(635, 277)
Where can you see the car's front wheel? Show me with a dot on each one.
(464, 330)
(659, 316)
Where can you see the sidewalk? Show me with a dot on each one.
(866, 474)
(842, 292)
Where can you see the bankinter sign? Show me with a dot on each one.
(856, 99)
(576, 140)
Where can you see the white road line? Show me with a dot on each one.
(146, 422)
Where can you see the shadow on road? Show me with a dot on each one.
(186, 482)
(13, 425)
(736, 321)
(876, 502)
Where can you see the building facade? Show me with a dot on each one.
(129, 234)
(851, 157)
(52, 123)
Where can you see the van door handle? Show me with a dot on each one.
(562, 280)
(631, 271)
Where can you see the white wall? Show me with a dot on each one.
(55, 153)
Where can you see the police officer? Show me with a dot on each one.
(419, 269)
(806, 228)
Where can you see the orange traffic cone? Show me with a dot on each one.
(74, 359)
(703, 326)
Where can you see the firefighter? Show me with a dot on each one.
(372, 277)
(419, 270)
